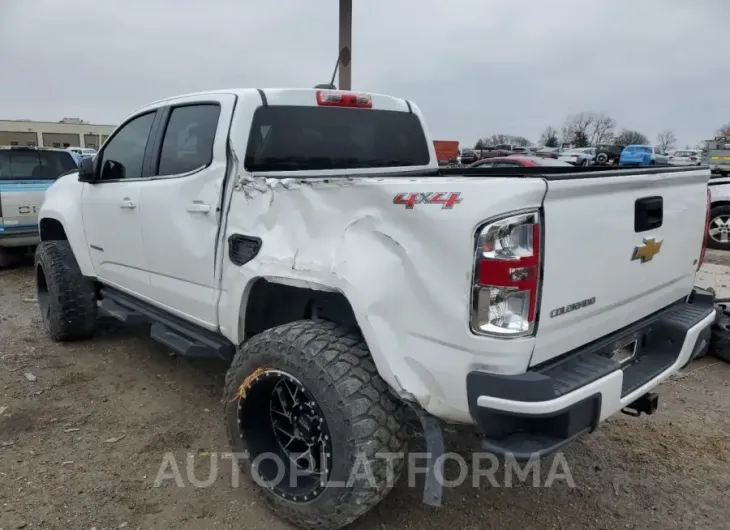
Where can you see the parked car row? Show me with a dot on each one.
(603, 154)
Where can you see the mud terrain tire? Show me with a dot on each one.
(361, 416)
(66, 298)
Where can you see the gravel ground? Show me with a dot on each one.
(82, 442)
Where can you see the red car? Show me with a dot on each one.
(519, 161)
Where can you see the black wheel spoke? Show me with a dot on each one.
(297, 434)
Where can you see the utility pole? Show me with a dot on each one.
(345, 69)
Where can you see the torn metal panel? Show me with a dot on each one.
(405, 271)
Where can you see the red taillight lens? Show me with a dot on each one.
(333, 98)
(692, 158)
(507, 276)
(707, 230)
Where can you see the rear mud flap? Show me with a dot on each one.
(435, 448)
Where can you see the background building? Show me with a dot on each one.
(69, 132)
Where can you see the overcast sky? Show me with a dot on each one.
(474, 67)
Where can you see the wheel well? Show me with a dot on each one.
(719, 203)
(273, 304)
(52, 230)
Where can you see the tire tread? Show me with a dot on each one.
(71, 294)
(375, 420)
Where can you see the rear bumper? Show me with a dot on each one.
(536, 413)
(25, 236)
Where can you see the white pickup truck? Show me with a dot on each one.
(309, 237)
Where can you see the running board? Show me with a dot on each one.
(178, 335)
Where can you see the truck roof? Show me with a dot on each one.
(289, 96)
(32, 147)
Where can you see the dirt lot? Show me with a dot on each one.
(81, 446)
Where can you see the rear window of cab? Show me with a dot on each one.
(34, 164)
(301, 138)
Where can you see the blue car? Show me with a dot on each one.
(642, 155)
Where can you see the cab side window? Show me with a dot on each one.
(123, 155)
(189, 137)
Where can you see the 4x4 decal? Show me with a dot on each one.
(447, 199)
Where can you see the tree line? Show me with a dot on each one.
(588, 129)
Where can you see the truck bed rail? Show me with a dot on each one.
(563, 173)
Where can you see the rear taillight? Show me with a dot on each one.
(507, 276)
(692, 158)
(334, 98)
(707, 230)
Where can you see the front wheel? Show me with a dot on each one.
(66, 298)
(322, 435)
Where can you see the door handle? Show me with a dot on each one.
(648, 213)
(128, 204)
(198, 207)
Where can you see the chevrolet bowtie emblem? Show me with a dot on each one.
(646, 251)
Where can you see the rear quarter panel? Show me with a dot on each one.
(406, 272)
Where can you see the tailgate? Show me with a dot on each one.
(603, 267)
(20, 201)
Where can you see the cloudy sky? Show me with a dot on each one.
(474, 67)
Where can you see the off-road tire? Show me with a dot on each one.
(66, 298)
(363, 417)
(601, 158)
(716, 212)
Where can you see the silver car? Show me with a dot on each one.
(685, 158)
(580, 156)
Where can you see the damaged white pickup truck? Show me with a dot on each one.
(309, 237)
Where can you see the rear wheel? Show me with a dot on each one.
(304, 401)
(601, 158)
(66, 298)
(719, 230)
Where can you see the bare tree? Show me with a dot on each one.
(724, 130)
(588, 128)
(520, 140)
(629, 137)
(666, 140)
(499, 139)
(549, 137)
(576, 127)
(601, 130)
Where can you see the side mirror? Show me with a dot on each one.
(87, 171)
